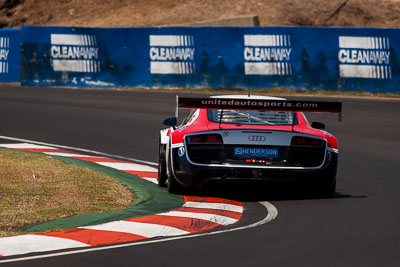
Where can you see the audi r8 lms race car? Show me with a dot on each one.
(248, 138)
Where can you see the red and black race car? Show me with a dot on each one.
(241, 138)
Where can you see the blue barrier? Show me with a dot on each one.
(10, 55)
(356, 59)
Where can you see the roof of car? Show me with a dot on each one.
(261, 97)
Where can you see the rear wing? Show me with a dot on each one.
(259, 104)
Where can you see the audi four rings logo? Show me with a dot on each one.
(257, 138)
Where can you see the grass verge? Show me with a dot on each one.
(149, 199)
(37, 188)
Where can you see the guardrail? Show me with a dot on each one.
(339, 59)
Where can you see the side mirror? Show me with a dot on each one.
(170, 122)
(318, 125)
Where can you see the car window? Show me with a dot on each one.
(192, 115)
(251, 117)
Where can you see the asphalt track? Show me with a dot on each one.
(359, 227)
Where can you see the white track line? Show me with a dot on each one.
(26, 146)
(79, 149)
(272, 213)
(69, 155)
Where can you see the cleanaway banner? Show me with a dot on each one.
(10, 55)
(338, 59)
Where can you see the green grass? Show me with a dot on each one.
(38, 188)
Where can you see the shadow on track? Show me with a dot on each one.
(252, 192)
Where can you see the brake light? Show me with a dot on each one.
(305, 141)
(205, 139)
(213, 138)
(298, 141)
(195, 139)
(315, 142)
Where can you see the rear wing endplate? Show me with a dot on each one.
(259, 104)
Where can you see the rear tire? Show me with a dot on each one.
(326, 188)
(174, 187)
(328, 191)
(162, 166)
(323, 190)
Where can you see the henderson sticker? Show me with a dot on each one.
(267, 55)
(75, 53)
(255, 152)
(171, 54)
(364, 57)
(4, 51)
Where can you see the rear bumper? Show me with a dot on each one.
(192, 175)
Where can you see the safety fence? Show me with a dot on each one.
(10, 41)
(339, 59)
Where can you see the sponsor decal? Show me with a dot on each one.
(4, 51)
(364, 57)
(180, 129)
(267, 55)
(258, 104)
(181, 151)
(255, 152)
(75, 53)
(172, 54)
